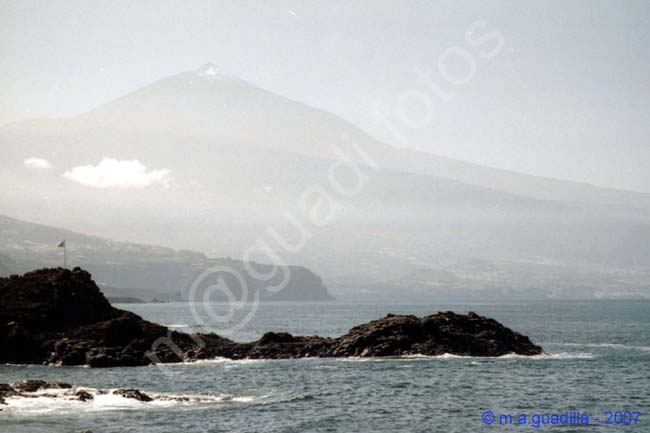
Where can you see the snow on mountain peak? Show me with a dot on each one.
(208, 70)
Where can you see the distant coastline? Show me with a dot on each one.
(132, 300)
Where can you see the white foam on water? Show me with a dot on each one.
(57, 401)
(244, 399)
(216, 360)
(8, 364)
(235, 362)
(452, 356)
(415, 357)
(449, 356)
(551, 356)
(402, 358)
(605, 345)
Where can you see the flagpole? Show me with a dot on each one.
(63, 245)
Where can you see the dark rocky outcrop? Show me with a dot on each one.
(36, 385)
(134, 394)
(6, 390)
(58, 316)
(83, 395)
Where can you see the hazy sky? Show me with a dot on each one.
(567, 95)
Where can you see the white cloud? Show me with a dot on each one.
(112, 173)
(38, 163)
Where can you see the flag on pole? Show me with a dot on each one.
(65, 253)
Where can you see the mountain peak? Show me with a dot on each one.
(208, 70)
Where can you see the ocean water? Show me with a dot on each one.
(598, 361)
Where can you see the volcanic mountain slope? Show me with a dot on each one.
(224, 109)
(234, 160)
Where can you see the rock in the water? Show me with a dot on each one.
(133, 393)
(83, 395)
(36, 385)
(6, 390)
(58, 316)
(437, 334)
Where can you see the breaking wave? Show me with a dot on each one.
(57, 401)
